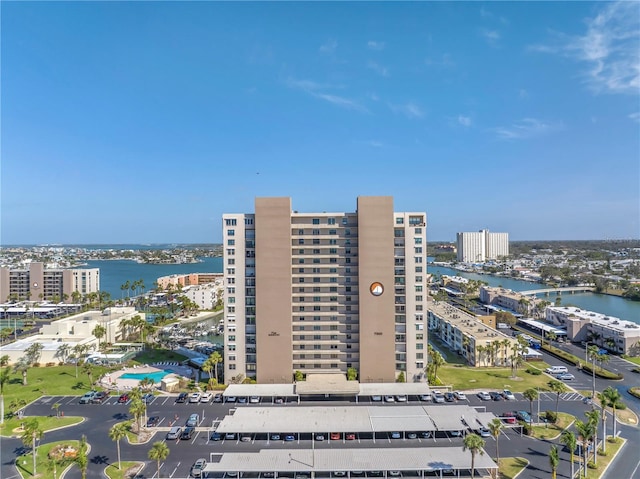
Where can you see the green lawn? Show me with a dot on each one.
(46, 424)
(463, 378)
(43, 464)
(128, 467)
(49, 381)
(510, 467)
(448, 356)
(551, 431)
(603, 461)
(634, 359)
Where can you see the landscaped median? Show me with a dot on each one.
(11, 427)
(127, 469)
(510, 467)
(576, 361)
(634, 392)
(613, 448)
(51, 459)
(551, 431)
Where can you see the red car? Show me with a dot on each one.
(334, 436)
(123, 398)
(350, 436)
(509, 418)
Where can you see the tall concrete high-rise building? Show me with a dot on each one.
(478, 247)
(325, 292)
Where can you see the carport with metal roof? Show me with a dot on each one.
(412, 462)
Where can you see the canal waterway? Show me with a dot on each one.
(600, 303)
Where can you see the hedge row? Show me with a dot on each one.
(600, 372)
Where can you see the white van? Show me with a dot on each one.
(553, 370)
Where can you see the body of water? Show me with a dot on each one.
(114, 273)
(600, 303)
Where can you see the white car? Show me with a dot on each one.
(389, 399)
(484, 432)
(401, 398)
(460, 396)
(254, 399)
(194, 397)
(508, 395)
(484, 396)
(206, 397)
(438, 397)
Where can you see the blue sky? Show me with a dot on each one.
(144, 122)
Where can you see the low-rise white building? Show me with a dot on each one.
(73, 331)
(616, 335)
(205, 295)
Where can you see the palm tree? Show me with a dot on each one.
(568, 438)
(116, 433)
(82, 456)
(99, 331)
(88, 370)
(603, 402)
(474, 444)
(557, 387)
(125, 287)
(21, 366)
(495, 427)
(207, 366)
(63, 352)
(554, 460)
(592, 354)
(593, 418)
(585, 433)
(159, 452)
(530, 395)
(31, 432)
(56, 406)
(137, 409)
(215, 359)
(78, 351)
(4, 379)
(614, 398)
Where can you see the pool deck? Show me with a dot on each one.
(114, 381)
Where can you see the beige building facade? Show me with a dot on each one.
(37, 283)
(325, 292)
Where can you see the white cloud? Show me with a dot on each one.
(410, 110)
(608, 48)
(523, 129)
(484, 13)
(329, 47)
(319, 90)
(635, 116)
(373, 45)
(491, 36)
(464, 120)
(379, 69)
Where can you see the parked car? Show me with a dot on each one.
(401, 398)
(206, 397)
(460, 396)
(509, 418)
(254, 399)
(242, 399)
(279, 400)
(455, 433)
(523, 416)
(231, 399)
(182, 397)
(425, 397)
(215, 436)
(335, 436)
(587, 400)
(484, 396)
(289, 437)
(412, 435)
(148, 398)
(217, 398)
(245, 438)
(153, 421)
(396, 435)
(484, 432)
(438, 397)
(230, 435)
(198, 466)
(376, 398)
(508, 395)
(350, 436)
(496, 396)
(99, 397)
(194, 397)
(389, 398)
(174, 433)
(187, 433)
(275, 437)
(193, 420)
(425, 434)
(565, 377)
(319, 437)
(123, 398)
(449, 397)
(87, 397)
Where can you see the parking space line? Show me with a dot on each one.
(174, 471)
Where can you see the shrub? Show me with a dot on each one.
(551, 416)
(636, 370)
(50, 364)
(534, 371)
(602, 452)
(591, 465)
(527, 429)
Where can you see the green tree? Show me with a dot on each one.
(530, 395)
(82, 456)
(554, 460)
(159, 452)
(614, 401)
(116, 433)
(495, 427)
(592, 354)
(298, 376)
(352, 374)
(557, 387)
(31, 432)
(593, 418)
(585, 434)
(22, 366)
(87, 368)
(474, 444)
(99, 331)
(400, 378)
(33, 353)
(137, 409)
(568, 438)
(56, 407)
(5, 374)
(436, 360)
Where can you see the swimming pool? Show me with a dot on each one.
(156, 376)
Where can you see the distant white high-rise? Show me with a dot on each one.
(478, 247)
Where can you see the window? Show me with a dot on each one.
(230, 221)
(333, 232)
(248, 221)
(316, 251)
(315, 232)
(333, 270)
(345, 220)
(300, 251)
(316, 299)
(316, 260)
(418, 231)
(419, 279)
(331, 221)
(300, 240)
(316, 240)
(419, 355)
(418, 250)
(418, 259)
(316, 337)
(416, 220)
(300, 232)
(231, 251)
(231, 232)
(231, 281)
(231, 366)
(418, 288)
(231, 271)
(231, 242)
(316, 289)
(231, 290)
(418, 297)
(231, 309)
(418, 269)
(316, 327)
(300, 270)
(301, 260)
(316, 280)
(316, 221)
(347, 232)
(300, 280)
(399, 221)
(333, 251)
(418, 240)
(231, 300)
(317, 308)
(231, 261)
(333, 289)
(333, 241)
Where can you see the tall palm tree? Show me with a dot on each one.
(495, 427)
(87, 368)
(531, 395)
(31, 433)
(585, 433)
(99, 331)
(159, 452)
(554, 460)
(593, 417)
(215, 359)
(116, 433)
(614, 401)
(557, 387)
(4, 379)
(474, 444)
(603, 402)
(82, 456)
(568, 438)
(137, 408)
(592, 354)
